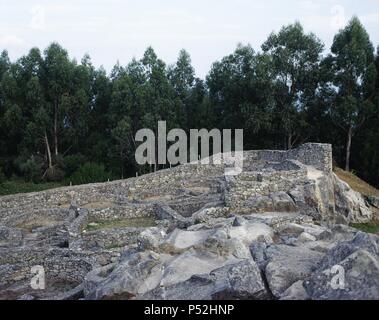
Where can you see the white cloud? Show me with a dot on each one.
(61, 8)
(38, 18)
(338, 19)
(12, 41)
(120, 29)
(309, 5)
(370, 18)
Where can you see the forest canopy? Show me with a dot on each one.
(66, 121)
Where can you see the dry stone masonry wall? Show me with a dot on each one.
(135, 238)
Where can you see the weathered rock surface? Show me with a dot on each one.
(139, 273)
(374, 201)
(10, 237)
(241, 280)
(351, 203)
(276, 231)
(295, 292)
(288, 265)
(350, 271)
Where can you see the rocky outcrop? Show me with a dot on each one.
(354, 266)
(374, 201)
(350, 204)
(241, 280)
(276, 231)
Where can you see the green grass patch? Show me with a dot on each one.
(122, 223)
(370, 227)
(20, 186)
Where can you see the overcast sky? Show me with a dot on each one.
(111, 30)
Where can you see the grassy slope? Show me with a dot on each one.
(364, 188)
(20, 186)
(356, 183)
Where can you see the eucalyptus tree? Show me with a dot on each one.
(240, 92)
(295, 59)
(58, 72)
(354, 74)
(182, 78)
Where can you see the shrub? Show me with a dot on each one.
(90, 172)
(32, 169)
(73, 163)
(2, 176)
(54, 174)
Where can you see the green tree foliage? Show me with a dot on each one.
(73, 162)
(354, 75)
(58, 76)
(63, 120)
(123, 136)
(90, 172)
(182, 78)
(366, 141)
(239, 87)
(2, 176)
(32, 169)
(295, 58)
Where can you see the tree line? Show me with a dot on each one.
(64, 120)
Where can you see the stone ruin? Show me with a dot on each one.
(275, 231)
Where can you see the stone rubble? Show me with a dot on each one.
(279, 230)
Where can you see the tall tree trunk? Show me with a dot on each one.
(122, 164)
(348, 148)
(48, 151)
(289, 141)
(56, 128)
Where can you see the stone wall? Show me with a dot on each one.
(59, 264)
(168, 180)
(267, 172)
(132, 210)
(106, 239)
(250, 184)
(115, 191)
(14, 217)
(314, 154)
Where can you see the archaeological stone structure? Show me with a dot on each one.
(276, 231)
